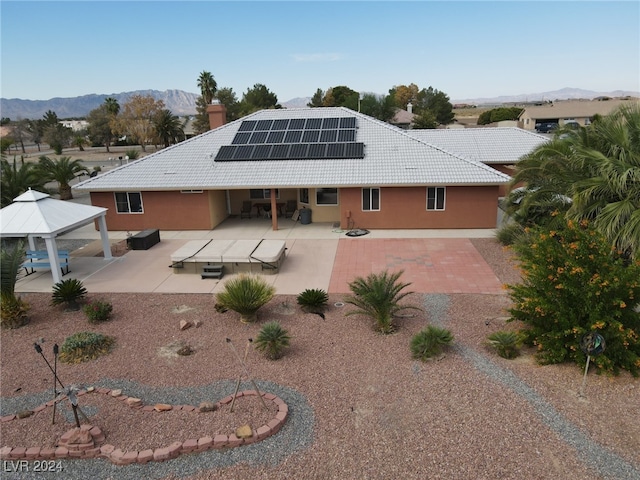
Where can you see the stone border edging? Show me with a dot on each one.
(96, 448)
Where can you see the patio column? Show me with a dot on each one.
(274, 210)
(54, 261)
(104, 236)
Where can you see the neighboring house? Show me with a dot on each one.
(498, 147)
(346, 167)
(403, 118)
(569, 111)
(75, 125)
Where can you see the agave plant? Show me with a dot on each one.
(378, 296)
(13, 310)
(69, 292)
(272, 340)
(313, 300)
(430, 341)
(506, 344)
(245, 294)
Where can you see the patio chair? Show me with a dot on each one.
(246, 209)
(292, 206)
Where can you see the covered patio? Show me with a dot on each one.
(35, 214)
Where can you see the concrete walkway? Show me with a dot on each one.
(318, 256)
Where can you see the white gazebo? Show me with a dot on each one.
(35, 214)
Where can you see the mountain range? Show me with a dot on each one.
(184, 103)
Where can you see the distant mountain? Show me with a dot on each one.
(178, 101)
(184, 103)
(562, 94)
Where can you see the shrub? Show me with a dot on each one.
(510, 233)
(245, 294)
(69, 292)
(573, 284)
(313, 300)
(83, 346)
(133, 154)
(13, 310)
(506, 344)
(378, 297)
(98, 311)
(429, 342)
(272, 340)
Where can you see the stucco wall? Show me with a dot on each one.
(170, 210)
(465, 207)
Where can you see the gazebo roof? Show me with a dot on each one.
(37, 214)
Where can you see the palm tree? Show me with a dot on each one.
(15, 181)
(112, 108)
(62, 170)
(207, 86)
(168, 127)
(590, 173)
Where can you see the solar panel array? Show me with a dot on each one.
(294, 139)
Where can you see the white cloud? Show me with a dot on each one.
(317, 57)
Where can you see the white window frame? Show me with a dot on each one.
(128, 197)
(434, 198)
(369, 192)
(326, 204)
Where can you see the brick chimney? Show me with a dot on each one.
(217, 114)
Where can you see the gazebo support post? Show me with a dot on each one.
(54, 260)
(104, 236)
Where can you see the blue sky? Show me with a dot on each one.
(468, 50)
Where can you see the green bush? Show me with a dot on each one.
(313, 300)
(506, 344)
(245, 294)
(378, 296)
(133, 154)
(429, 342)
(83, 346)
(573, 284)
(98, 311)
(510, 233)
(272, 340)
(69, 292)
(13, 312)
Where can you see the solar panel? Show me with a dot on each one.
(293, 136)
(313, 124)
(328, 136)
(311, 136)
(346, 135)
(298, 150)
(243, 152)
(260, 152)
(280, 152)
(296, 124)
(264, 125)
(276, 137)
(241, 139)
(225, 153)
(282, 124)
(354, 150)
(247, 126)
(317, 150)
(330, 123)
(348, 122)
(336, 150)
(258, 137)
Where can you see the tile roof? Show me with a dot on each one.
(497, 145)
(392, 158)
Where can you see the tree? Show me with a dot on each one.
(381, 107)
(404, 94)
(20, 133)
(207, 86)
(574, 284)
(316, 99)
(15, 180)
(227, 97)
(62, 170)
(168, 127)
(594, 171)
(499, 115)
(58, 137)
(100, 131)
(137, 117)
(258, 98)
(437, 102)
(341, 96)
(425, 120)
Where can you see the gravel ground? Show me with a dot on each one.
(360, 407)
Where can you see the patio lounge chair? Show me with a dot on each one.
(246, 209)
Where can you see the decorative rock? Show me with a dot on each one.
(90, 389)
(133, 402)
(116, 393)
(79, 436)
(24, 413)
(185, 324)
(162, 407)
(208, 407)
(197, 323)
(244, 432)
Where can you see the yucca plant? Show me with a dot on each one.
(245, 294)
(13, 310)
(69, 292)
(378, 296)
(272, 340)
(83, 346)
(506, 344)
(313, 300)
(430, 341)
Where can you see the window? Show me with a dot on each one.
(370, 199)
(304, 195)
(326, 196)
(128, 202)
(435, 198)
(262, 193)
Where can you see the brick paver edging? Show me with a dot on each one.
(94, 446)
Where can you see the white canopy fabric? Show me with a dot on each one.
(36, 214)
